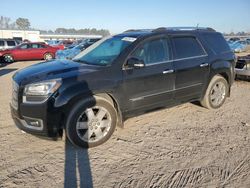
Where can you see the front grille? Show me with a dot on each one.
(240, 64)
(15, 90)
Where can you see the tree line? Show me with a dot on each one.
(24, 23)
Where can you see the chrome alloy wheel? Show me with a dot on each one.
(218, 93)
(48, 57)
(93, 124)
(8, 58)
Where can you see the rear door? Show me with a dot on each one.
(191, 67)
(37, 51)
(152, 85)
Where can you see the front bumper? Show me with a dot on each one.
(37, 119)
(243, 67)
(242, 72)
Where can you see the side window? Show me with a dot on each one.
(154, 51)
(24, 46)
(11, 43)
(42, 46)
(217, 42)
(35, 46)
(187, 47)
(1, 43)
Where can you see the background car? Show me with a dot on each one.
(238, 46)
(7, 43)
(242, 67)
(63, 44)
(71, 52)
(29, 51)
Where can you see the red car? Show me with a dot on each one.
(29, 51)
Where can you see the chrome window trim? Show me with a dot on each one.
(169, 61)
(159, 93)
(193, 57)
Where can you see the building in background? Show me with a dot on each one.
(31, 35)
(36, 36)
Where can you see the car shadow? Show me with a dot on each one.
(6, 71)
(77, 171)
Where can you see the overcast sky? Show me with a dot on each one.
(117, 16)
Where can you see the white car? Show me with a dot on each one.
(7, 43)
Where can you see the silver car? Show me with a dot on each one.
(243, 66)
(7, 43)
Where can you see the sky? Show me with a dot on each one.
(118, 16)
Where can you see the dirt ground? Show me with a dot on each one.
(184, 146)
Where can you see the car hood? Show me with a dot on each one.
(51, 70)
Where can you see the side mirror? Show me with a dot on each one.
(135, 63)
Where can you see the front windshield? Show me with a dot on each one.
(104, 51)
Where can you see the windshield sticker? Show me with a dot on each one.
(129, 39)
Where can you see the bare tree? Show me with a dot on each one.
(23, 23)
(5, 22)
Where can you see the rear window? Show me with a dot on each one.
(1, 43)
(217, 42)
(186, 47)
(11, 43)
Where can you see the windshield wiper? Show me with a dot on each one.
(81, 61)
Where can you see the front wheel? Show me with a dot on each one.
(48, 56)
(91, 122)
(8, 58)
(216, 93)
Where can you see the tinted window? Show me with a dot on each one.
(154, 51)
(11, 43)
(24, 46)
(1, 43)
(35, 46)
(187, 47)
(42, 46)
(217, 42)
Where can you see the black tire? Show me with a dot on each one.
(47, 56)
(8, 58)
(207, 101)
(76, 112)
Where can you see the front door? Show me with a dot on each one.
(152, 85)
(22, 52)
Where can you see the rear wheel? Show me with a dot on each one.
(216, 93)
(48, 56)
(91, 122)
(8, 58)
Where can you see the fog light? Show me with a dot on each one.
(33, 122)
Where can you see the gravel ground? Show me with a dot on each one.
(184, 146)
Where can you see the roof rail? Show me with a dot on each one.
(137, 30)
(161, 29)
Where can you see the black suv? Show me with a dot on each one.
(119, 77)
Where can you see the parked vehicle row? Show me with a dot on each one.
(29, 51)
(119, 77)
(239, 46)
(40, 50)
(74, 50)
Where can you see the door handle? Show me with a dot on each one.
(168, 71)
(204, 65)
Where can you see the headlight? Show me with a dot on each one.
(39, 92)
